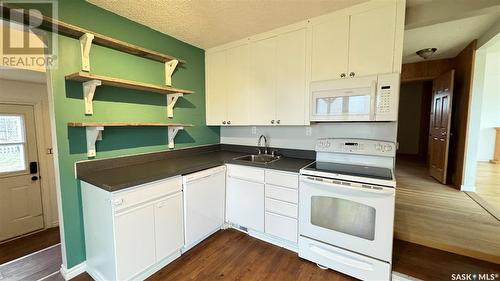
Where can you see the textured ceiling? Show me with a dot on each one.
(449, 38)
(209, 23)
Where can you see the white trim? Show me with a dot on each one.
(469, 188)
(55, 157)
(396, 276)
(49, 276)
(71, 273)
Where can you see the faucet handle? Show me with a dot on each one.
(273, 152)
(258, 150)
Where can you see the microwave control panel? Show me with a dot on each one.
(387, 100)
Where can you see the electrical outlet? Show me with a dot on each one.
(254, 130)
(308, 131)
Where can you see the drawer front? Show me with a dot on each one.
(283, 179)
(245, 173)
(282, 208)
(281, 226)
(145, 192)
(282, 193)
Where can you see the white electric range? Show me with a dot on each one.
(346, 212)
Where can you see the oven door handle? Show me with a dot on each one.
(383, 191)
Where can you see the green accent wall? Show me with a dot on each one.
(116, 104)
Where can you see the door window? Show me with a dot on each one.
(344, 216)
(12, 144)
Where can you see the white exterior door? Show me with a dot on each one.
(216, 88)
(330, 45)
(291, 95)
(169, 226)
(371, 41)
(135, 241)
(20, 196)
(237, 79)
(263, 82)
(245, 203)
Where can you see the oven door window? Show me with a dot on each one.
(344, 216)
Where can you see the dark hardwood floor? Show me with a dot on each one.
(33, 267)
(28, 244)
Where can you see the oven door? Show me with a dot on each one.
(344, 104)
(350, 217)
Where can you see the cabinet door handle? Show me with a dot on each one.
(278, 121)
(223, 122)
(342, 75)
(352, 74)
(229, 122)
(117, 202)
(272, 121)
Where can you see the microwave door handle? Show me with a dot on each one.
(383, 191)
(373, 95)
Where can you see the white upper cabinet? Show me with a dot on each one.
(330, 49)
(237, 80)
(291, 80)
(216, 88)
(263, 81)
(371, 41)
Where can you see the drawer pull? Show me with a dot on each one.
(118, 202)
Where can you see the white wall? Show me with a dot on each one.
(297, 136)
(410, 110)
(490, 109)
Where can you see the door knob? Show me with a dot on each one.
(352, 74)
(342, 75)
(34, 178)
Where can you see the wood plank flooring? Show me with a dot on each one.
(28, 244)
(33, 267)
(438, 216)
(488, 184)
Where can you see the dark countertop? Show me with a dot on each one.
(117, 178)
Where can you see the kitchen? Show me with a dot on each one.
(274, 136)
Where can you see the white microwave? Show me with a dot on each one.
(370, 98)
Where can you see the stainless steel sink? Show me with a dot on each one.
(260, 158)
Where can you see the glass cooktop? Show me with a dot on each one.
(351, 170)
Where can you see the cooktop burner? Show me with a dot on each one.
(351, 170)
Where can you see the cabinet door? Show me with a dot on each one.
(371, 41)
(237, 77)
(245, 203)
(291, 78)
(263, 82)
(216, 88)
(330, 44)
(135, 241)
(169, 226)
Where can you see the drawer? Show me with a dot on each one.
(282, 227)
(283, 179)
(246, 173)
(282, 193)
(282, 208)
(145, 192)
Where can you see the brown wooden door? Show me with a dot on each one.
(439, 133)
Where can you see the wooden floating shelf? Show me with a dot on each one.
(126, 124)
(122, 83)
(94, 131)
(73, 31)
(91, 81)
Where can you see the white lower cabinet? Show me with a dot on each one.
(130, 234)
(265, 202)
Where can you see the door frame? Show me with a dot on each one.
(47, 175)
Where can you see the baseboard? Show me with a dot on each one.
(70, 273)
(469, 188)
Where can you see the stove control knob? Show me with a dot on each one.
(378, 147)
(388, 147)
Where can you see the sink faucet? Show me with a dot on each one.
(265, 144)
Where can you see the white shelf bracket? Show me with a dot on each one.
(169, 70)
(171, 100)
(85, 45)
(93, 135)
(172, 132)
(88, 94)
